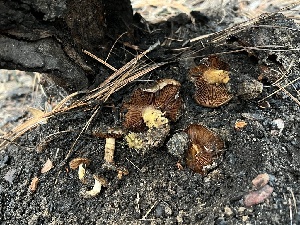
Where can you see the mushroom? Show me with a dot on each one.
(148, 113)
(99, 182)
(210, 78)
(211, 95)
(150, 139)
(205, 147)
(110, 135)
(80, 163)
(163, 96)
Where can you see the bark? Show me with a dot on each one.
(48, 36)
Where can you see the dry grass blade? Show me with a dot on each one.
(282, 88)
(100, 60)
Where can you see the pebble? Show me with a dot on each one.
(228, 211)
(4, 161)
(261, 180)
(10, 176)
(178, 144)
(256, 197)
(278, 124)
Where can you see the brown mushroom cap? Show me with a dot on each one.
(209, 79)
(168, 101)
(210, 95)
(74, 163)
(204, 148)
(164, 96)
(106, 132)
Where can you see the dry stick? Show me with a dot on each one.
(139, 74)
(289, 94)
(134, 164)
(147, 213)
(294, 200)
(291, 211)
(119, 75)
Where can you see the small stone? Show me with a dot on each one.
(159, 211)
(261, 180)
(178, 144)
(249, 89)
(228, 211)
(277, 125)
(10, 176)
(3, 161)
(245, 218)
(256, 197)
(241, 209)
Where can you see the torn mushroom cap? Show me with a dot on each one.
(205, 147)
(213, 69)
(80, 163)
(211, 95)
(163, 96)
(210, 79)
(99, 182)
(74, 163)
(158, 129)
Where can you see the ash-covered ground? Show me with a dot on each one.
(155, 191)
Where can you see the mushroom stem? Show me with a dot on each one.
(109, 149)
(99, 182)
(80, 163)
(81, 172)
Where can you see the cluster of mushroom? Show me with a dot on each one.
(147, 117)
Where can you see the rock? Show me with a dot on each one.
(249, 89)
(256, 197)
(178, 144)
(261, 180)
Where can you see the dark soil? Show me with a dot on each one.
(155, 191)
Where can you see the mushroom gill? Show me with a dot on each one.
(209, 79)
(163, 96)
(205, 147)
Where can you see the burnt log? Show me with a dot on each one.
(48, 36)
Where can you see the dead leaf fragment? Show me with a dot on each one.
(47, 166)
(240, 124)
(33, 184)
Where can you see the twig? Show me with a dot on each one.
(100, 60)
(291, 211)
(147, 213)
(133, 164)
(280, 89)
(114, 45)
(294, 200)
